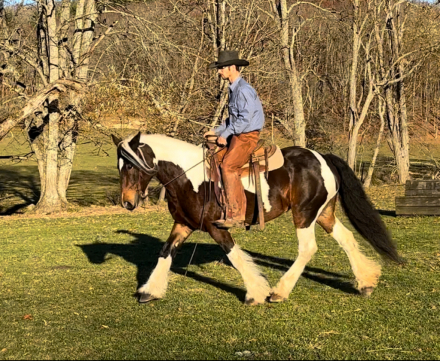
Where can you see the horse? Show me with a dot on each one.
(308, 184)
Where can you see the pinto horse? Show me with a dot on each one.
(307, 184)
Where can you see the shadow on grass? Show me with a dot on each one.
(143, 252)
(20, 187)
(331, 279)
(384, 212)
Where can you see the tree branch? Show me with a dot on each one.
(61, 85)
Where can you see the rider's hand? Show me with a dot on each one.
(222, 141)
(211, 132)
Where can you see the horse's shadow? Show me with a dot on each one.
(143, 252)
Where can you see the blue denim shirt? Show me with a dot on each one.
(245, 110)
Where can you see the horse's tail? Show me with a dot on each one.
(359, 210)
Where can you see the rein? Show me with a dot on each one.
(204, 185)
(203, 160)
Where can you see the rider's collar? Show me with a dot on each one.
(234, 84)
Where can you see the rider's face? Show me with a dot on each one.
(225, 72)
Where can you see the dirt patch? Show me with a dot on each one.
(84, 212)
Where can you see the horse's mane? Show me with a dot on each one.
(187, 156)
(162, 138)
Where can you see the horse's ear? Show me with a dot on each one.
(116, 140)
(134, 143)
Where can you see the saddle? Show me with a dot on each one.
(263, 159)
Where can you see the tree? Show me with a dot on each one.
(357, 116)
(288, 34)
(393, 81)
(59, 55)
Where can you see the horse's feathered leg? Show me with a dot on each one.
(257, 287)
(366, 271)
(307, 247)
(157, 283)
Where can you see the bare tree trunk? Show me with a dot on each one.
(298, 107)
(77, 38)
(67, 153)
(220, 45)
(398, 124)
(86, 15)
(50, 200)
(68, 138)
(353, 129)
(381, 112)
(64, 28)
(37, 133)
(87, 36)
(70, 124)
(221, 104)
(162, 194)
(356, 118)
(281, 13)
(294, 79)
(354, 132)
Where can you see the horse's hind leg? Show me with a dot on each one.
(366, 271)
(257, 287)
(306, 249)
(157, 284)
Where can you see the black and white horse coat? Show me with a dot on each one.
(307, 184)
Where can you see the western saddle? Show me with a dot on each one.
(258, 163)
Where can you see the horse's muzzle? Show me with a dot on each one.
(130, 200)
(129, 206)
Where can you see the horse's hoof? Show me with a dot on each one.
(146, 297)
(274, 298)
(366, 291)
(252, 302)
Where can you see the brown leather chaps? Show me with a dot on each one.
(239, 152)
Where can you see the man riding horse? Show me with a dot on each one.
(240, 133)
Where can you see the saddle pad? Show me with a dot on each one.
(275, 161)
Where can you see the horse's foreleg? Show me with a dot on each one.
(257, 287)
(306, 249)
(366, 271)
(157, 284)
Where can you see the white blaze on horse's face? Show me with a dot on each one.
(121, 164)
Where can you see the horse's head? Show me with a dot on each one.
(136, 168)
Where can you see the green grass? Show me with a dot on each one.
(67, 284)
(67, 288)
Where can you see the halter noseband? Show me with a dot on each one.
(153, 169)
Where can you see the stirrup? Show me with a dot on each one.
(228, 223)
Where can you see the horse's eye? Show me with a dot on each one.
(129, 166)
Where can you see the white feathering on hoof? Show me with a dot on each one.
(257, 287)
(158, 282)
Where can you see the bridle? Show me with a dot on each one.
(152, 171)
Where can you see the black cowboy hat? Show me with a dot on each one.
(226, 58)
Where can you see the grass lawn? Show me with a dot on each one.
(67, 288)
(67, 283)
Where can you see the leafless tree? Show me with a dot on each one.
(59, 55)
